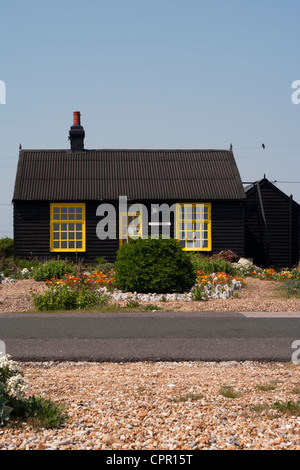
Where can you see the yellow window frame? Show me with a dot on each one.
(130, 220)
(193, 226)
(67, 227)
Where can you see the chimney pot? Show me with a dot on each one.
(76, 118)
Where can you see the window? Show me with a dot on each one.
(193, 226)
(130, 224)
(67, 223)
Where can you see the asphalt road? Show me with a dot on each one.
(150, 337)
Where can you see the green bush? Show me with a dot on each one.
(213, 264)
(6, 247)
(52, 269)
(27, 263)
(39, 412)
(5, 410)
(14, 404)
(105, 268)
(292, 287)
(62, 297)
(153, 265)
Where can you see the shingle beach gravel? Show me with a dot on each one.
(163, 406)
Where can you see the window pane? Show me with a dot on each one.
(64, 216)
(71, 245)
(64, 245)
(56, 245)
(71, 227)
(78, 245)
(64, 227)
(197, 212)
(71, 235)
(56, 227)
(56, 235)
(55, 210)
(78, 227)
(55, 216)
(78, 213)
(78, 236)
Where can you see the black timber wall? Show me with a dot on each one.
(32, 234)
(32, 230)
(276, 243)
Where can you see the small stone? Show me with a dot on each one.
(42, 447)
(108, 439)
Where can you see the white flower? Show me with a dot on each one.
(17, 386)
(12, 381)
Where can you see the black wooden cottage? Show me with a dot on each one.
(271, 226)
(63, 199)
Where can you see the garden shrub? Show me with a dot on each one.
(292, 287)
(212, 264)
(52, 269)
(15, 404)
(154, 265)
(105, 268)
(6, 247)
(63, 297)
(39, 412)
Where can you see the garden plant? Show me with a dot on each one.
(154, 265)
(16, 405)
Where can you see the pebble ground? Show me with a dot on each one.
(164, 406)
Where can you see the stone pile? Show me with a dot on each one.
(210, 291)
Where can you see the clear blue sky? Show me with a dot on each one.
(152, 74)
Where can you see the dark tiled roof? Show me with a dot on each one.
(63, 175)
